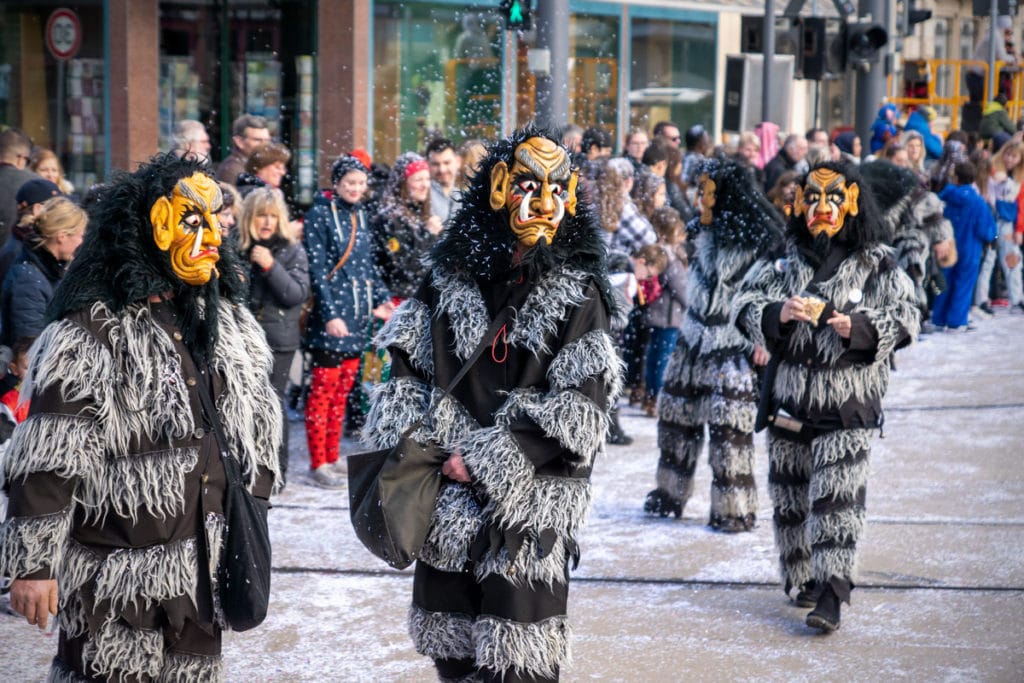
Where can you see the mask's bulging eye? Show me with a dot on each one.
(557, 189)
(193, 220)
(528, 185)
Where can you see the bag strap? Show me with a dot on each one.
(495, 326)
(351, 238)
(232, 468)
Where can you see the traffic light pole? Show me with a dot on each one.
(870, 79)
(768, 42)
(552, 109)
(992, 16)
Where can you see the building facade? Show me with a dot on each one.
(330, 75)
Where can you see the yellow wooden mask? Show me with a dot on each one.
(186, 226)
(825, 201)
(538, 190)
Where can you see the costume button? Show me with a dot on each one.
(810, 362)
(177, 335)
(199, 433)
(191, 381)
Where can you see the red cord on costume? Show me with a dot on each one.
(504, 342)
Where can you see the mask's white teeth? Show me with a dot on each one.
(559, 209)
(198, 243)
(524, 208)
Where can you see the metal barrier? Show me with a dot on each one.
(954, 100)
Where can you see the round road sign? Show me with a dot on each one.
(63, 33)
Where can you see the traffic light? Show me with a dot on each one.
(517, 14)
(864, 43)
(912, 16)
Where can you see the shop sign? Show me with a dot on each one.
(63, 33)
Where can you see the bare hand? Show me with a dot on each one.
(455, 468)
(1018, 238)
(336, 327)
(761, 356)
(434, 225)
(36, 600)
(384, 311)
(793, 309)
(841, 324)
(941, 250)
(262, 257)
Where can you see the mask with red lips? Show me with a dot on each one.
(185, 225)
(538, 190)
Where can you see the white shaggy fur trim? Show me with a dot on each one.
(591, 355)
(28, 544)
(537, 649)
(449, 421)
(496, 462)
(731, 460)
(57, 356)
(140, 577)
(546, 306)
(733, 501)
(683, 411)
(249, 407)
(528, 567)
(456, 521)
(67, 445)
(151, 482)
(182, 667)
(838, 527)
(461, 300)
(829, 389)
(441, 635)
(409, 330)
(123, 650)
(78, 567)
(839, 562)
(214, 527)
(395, 405)
(576, 422)
(713, 338)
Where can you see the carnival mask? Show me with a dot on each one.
(826, 200)
(185, 225)
(538, 190)
(707, 199)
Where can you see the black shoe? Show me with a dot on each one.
(660, 503)
(825, 615)
(619, 439)
(807, 596)
(987, 308)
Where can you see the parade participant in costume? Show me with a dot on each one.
(347, 296)
(831, 305)
(522, 429)
(116, 482)
(710, 378)
(913, 216)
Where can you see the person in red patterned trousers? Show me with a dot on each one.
(347, 295)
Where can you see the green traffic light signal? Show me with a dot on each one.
(517, 14)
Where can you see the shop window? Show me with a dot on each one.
(594, 71)
(72, 127)
(221, 60)
(436, 70)
(672, 76)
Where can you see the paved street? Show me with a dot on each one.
(940, 595)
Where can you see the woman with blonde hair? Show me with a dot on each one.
(279, 283)
(45, 163)
(46, 251)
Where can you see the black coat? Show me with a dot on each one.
(400, 245)
(27, 291)
(354, 290)
(276, 296)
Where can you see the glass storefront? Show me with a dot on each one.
(672, 75)
(31, 80)
(438, 68)
(219, 60)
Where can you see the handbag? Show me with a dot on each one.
(244, 574)
(392, 491)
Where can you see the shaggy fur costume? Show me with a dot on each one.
(710, 379)
(529, 420)
(817, 477)
(116, 483)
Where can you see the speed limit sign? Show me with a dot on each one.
(63, 33)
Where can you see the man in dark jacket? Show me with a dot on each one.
(116, 482)
(831, 305)
(15, 150)
(793, 151)
(522, 429)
